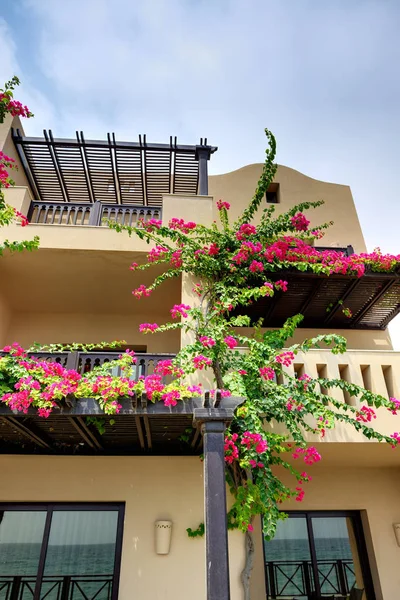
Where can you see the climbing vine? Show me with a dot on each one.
(232, 265)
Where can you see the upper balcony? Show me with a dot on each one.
(84, 182)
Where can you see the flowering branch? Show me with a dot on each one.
(8, 214)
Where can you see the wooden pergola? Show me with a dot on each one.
(111, 171)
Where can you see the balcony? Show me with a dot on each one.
(141, 426)
(111, 172)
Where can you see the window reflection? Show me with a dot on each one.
(314, 557)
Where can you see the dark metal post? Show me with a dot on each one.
(212, 421)
(203, 154)
(217, 559)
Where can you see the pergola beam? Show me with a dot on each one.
(27, 431)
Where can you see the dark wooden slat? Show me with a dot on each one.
(317, 287)
(29, 432)
(85, 432)
(352, 286)
(148, 431)
(389, 284)
(139, 427)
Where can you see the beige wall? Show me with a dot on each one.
(153, 488)
(376, 492)
(5, 317)
(8, 147)
(46, 328)
(238, 188)
(172, 488)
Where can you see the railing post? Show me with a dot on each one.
(95, 214)
(271, 580)
(72, 361)
(203, 154)
(307, 579)
(212, 421)
(341, 578)
(15, 589)
(65, 587)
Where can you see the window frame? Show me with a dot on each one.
(362, 550)
(50, 508)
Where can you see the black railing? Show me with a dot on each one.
(83, 362)
(295, 579)
(57, 587)
(97, 214)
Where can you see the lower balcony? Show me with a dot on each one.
(140, 427)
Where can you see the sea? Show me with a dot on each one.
(90, 567)
(289, 556)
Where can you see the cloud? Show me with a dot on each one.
(322, 75)
(27, 92)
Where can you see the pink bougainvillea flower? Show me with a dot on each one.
(148, 327)
(245, 231)
(206, 341)
(300, 222)
(281, 285)
(230, 342)
(179, 309)
(365, 414)
(256, 266)
(285, 358)
(267, 373)
(221, 205)
(200, 362)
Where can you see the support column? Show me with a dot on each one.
(217, 556)
(212, 421)
(203, 154)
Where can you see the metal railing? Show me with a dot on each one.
(57, 587)
(97, 214)
(295, 579)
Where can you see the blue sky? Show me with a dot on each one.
(323, 76)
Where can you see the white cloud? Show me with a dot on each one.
(27, 92)
(322, 75)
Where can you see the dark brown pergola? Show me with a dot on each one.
(137, 430)
(112, 172)
(374, 300)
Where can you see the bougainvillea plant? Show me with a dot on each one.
(232, 265)
(8, 214)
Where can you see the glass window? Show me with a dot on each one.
(315, 556)
(59, 552)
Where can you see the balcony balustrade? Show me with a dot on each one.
(289, 579)
(57, 587)
(85, 214)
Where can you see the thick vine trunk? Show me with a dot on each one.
(218, 375)
(248, 565)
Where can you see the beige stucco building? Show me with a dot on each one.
(77, 288)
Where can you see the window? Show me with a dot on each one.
(317, 555)
(60, 552)
(272, 194)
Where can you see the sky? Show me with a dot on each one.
(323, 76)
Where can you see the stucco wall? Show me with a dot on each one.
(375, 492)
(172, 488)
(153, 488)
(238, 188)
(65, 328)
